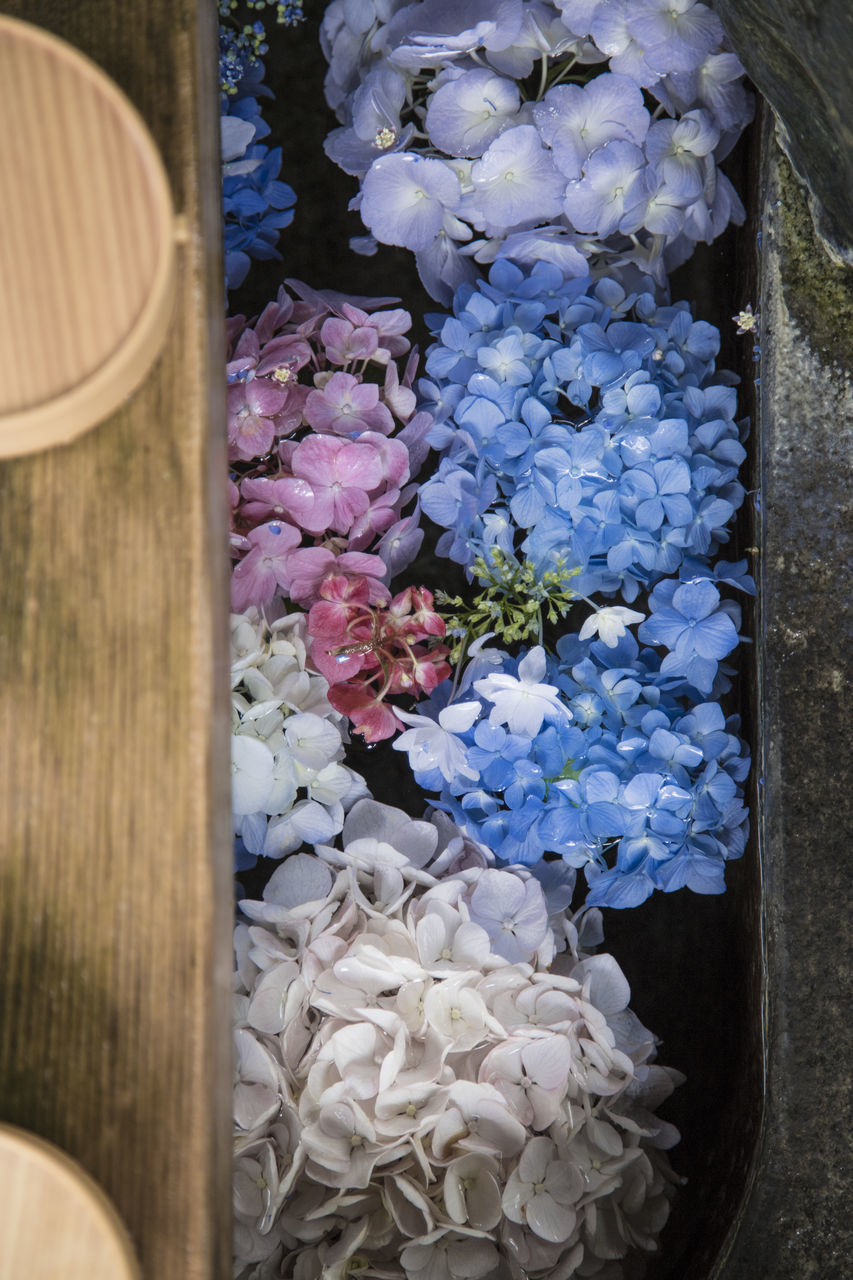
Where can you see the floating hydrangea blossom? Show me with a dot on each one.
(256, 205)
(422, 1089)
(287, 746)
(613, 456)
(605, 756)
(525, 129)
(368, 651)
(325, 438)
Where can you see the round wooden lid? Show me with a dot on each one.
(54, 1220)
(87, 246)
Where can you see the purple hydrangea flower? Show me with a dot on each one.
(575, 121)
(405, 198)
(470, 109)
(557, 171)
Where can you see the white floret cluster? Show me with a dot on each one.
(287, 743)
(434, 1080)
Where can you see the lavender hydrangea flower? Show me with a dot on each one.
(610, 195)
(469, 109)
(440, 30)
(376, 127)
(574, 121)
(406, 197)
(514, 183)
(576, 170)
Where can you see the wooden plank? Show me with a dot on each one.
(114, 809)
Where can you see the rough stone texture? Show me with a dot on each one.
(795, 1221)
(800, 55)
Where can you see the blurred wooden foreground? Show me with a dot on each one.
(114, 813)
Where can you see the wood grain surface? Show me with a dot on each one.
(114, 809)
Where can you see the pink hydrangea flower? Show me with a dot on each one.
(390, 326)
(283, 357)
(344, 405)
(372, 718)
(330, 618)
(349, 493)
(252, 411)
(400, 398)
(368, 652)
(263, 571)
(378, 517)
(262, 499)
(394, 455)
(310, 567)
(331, 482)
(345, 342)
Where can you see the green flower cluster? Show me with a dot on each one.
(515, 603)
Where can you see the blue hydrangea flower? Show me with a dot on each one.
(256, 205)
(690, 620)
(590, 425)
(631, 779)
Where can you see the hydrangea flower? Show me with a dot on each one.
(289, 782)
(324, 437)
(635, 778)
(460, 166)
(422, 1089)
(689, 619)
(256, 205)
(369, 652)
(587, 430)
(522, 702)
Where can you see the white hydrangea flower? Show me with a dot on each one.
(522, 702)
(542, 1191)
(419, 1096)
(289, 784)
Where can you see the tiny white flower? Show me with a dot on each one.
(610, 623)
(523, 702)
